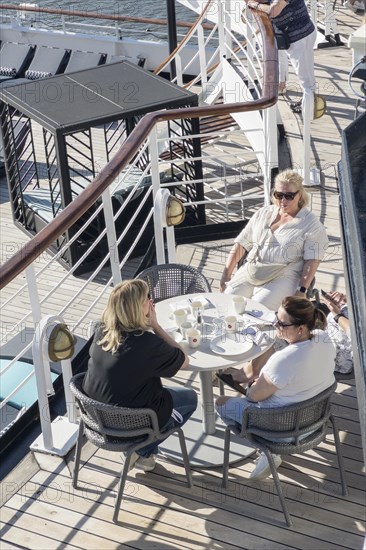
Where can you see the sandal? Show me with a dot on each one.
(229, 381)
(296, 107)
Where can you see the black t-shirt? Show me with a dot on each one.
(131, 376)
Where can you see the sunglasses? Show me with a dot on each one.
(282, 324)
(288, 196)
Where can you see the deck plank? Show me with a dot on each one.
(160, 511)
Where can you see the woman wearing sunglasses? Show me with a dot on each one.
(298, 372)
(129, 354)
(282, 244)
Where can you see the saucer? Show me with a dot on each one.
(229, 345)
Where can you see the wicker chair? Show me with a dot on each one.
(169, 280)
(262, 427)
(118, 429)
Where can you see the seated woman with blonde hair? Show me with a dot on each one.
(129, 354)
(298, 372)
(282, 245)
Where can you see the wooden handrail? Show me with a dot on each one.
(185, 39)
(94, 15)
(65, 219)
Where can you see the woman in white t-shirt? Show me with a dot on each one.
(282, 245)
(298, 372)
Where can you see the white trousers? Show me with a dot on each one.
(301, 55)
(271, 294)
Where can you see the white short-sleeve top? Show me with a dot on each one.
(303, 238)
(301, 370)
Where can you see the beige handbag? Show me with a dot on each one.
(257, 273)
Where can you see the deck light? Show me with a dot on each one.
(175, 211)
(319, 106)
(61, 343)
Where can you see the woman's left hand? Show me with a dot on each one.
(153, 322)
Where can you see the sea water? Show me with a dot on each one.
(133, 8)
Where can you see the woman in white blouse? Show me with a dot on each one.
(282, 244)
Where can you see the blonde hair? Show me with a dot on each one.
(293, 178)
(124, 313)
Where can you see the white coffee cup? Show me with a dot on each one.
(180, 316)
(194, 337)
(240, 303)
(196, 306)
(230, 323)
(184, 327)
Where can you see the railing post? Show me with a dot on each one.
(59, 436)
(178, 64)
(221, 27)
(69, 398)
(314, 12)
(270, 149)
(306, 138)
(42, 391)
(170, 237)
(202, 58)
(227, 23)
(251, 43)
(330, 22)
(33, 294)
(111, 236)
(155, 179)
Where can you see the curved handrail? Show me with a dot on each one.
(65, 219)
(94, 15)
(185, 39)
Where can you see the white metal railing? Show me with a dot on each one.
(52, 290)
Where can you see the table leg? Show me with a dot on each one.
(207, 403)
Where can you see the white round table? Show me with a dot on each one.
(205, 437)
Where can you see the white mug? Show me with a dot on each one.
(196, 306)
(193, 337)
(184, 327)
(240, 303)
(180, 316)
(230, 323)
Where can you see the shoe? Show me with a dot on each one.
(296, 107)
(229, 381)
(262, 469)
(145, 463)
(134, 458)
(350, 6)
(360, 6)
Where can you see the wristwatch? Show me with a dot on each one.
(302, 289)
(336, 317)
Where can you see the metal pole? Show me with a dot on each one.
(172, 34)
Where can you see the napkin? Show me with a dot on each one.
(205, 303)
(267, 317)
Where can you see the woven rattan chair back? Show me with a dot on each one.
(118, 429)
(302, 425)
(169, 280)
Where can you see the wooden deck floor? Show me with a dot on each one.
(41, 510)
(161, 512)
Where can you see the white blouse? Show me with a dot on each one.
(303, 238)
